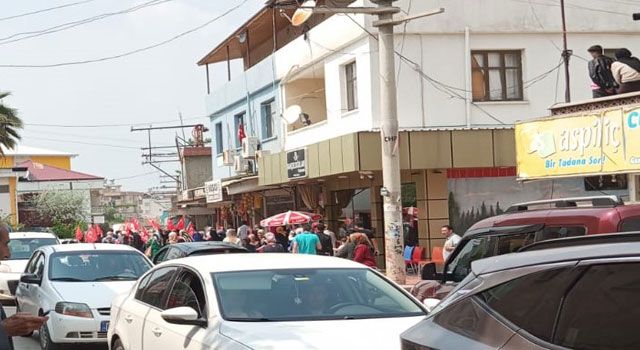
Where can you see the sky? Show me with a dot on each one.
(151, 87)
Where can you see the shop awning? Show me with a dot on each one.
(243, 185)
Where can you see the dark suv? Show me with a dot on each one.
(524, 224)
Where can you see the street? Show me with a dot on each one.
(32, 343)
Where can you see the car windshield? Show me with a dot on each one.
(310, 294)
(95, 266)
(470, 251)
(22, 248)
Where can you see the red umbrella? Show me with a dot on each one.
(290, 218)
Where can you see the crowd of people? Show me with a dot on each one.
(352, 241)
(611, 76)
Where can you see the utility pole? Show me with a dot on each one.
(566, 55)
(391, 196)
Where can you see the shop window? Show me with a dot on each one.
(605, 183)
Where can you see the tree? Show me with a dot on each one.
(9, 125)
(66, 209)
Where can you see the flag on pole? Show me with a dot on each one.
(191, 229)
(99, 232)
(79, 234)
(90, 236)
(170, 225)
(180, 224)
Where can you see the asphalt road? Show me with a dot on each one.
(33, 343)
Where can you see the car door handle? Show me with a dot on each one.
(128, 318)
(157, 332)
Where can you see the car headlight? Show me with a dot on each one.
(74, 309)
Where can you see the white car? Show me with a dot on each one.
(74, 284)
(22, 246)
(262, 301)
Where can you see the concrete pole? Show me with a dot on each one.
(391, 190)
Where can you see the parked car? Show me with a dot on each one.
(74, 285)
(262, 301)
(22, 246)
(578, 297)
(524, 224)
(69, 241)
(183, 250)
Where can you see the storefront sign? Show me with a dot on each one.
(213, 191)
(591, 144)
(297, 164)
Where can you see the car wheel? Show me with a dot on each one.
(45, 339)
(17, 311)
(117, 345)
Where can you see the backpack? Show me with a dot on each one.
(327, 245)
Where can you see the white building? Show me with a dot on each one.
(464, 77)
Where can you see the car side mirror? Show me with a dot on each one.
(30, 278)
(183, 315)
(429, 272)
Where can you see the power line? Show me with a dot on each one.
(69, 25)
(87, 143)
(114, 139)
(44, 10)
(106, 125)
(128, 53)
(136, 176)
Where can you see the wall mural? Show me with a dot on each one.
(474, 199)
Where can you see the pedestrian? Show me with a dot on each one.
(362, 252)
(198, 236)
(20, 324)
(261, 238)
(136, 241)
(243, 231)
(153, 245)
(325, 240)
(626, 71)
(232, 237)
(346, 249)
(109, 239)
(334, 239)
(451, 243)
(369, 234)
(306, 242)
(253, 243)
(272, 245)
(281, 237)
(173, 238)
(602, 80)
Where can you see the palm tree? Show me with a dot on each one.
(10, 123)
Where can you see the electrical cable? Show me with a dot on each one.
(88, 143)
(128, 53)
(92, 137)
(44, 10)
(136, 176)
(69, 25)
(107, 125)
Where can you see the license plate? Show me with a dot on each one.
(104, 326)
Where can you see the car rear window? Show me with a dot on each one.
(630, 224)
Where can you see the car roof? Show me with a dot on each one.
(253, 262)
(18, 235)
(619, 237)
(191, 247)
(87, 246)
(554, 255)
(496, 230)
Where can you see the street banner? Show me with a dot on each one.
(605, 142)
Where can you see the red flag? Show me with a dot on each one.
(99, 232)
(180, 224)
(79, 234)
(154, 224)
(144, 235)
(191, 230)
(241, 134)
(170, 225)
(90, 236)
(136, 224)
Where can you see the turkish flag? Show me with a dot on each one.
(191, 230)
(90, 236)
(144, 235)
(136, 224)
(79, 234)
(170, 225)
(180, 224)
(154, 224)
(99, 232)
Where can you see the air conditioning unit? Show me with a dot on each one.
(262, 153)
(228, 157)
(244, 166)
(250, 146)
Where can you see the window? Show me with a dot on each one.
(472, 250)
(219, 143)
(188, 291)
(22, 248)
(562, 232)
(611, 53)
(174, 253)
(4, 188)
(630, 224)
(142, 285)
(267, 111)
(31, 266)
(350, 87)
(606, 183)
(310, 294)
(512, 243)
(160, 256)
(605, 301)
(238, 121)
(95, 266)
(39, 266)
(158, 284)
(496, 75)
(531, 302)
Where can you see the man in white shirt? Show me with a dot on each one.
(451, 243)
(243, 231)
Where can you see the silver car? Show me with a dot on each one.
(580, 297)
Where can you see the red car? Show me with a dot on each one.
(524, 224)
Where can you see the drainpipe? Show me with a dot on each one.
(467, 76)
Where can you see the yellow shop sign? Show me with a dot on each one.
(602, 143)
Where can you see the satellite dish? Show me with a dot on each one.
(292, 114)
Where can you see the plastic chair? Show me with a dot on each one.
(416, 258)
(437, 257)
(408, 254)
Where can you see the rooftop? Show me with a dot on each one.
(42, 172)
(22, 150)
